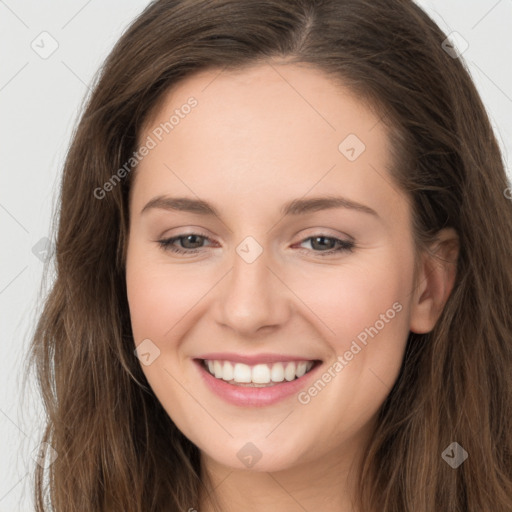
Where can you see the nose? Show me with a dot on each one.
(253, 297)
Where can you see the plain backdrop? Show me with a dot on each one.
(50, 51)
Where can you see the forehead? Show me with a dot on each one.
(265, 130)
(285, 100)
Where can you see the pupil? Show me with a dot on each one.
(195, 240)
(313, 242)
(187, 238)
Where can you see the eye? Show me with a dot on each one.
(191, 243)
(328, 245)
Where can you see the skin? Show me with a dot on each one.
(257, 139)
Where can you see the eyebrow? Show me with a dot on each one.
(294, 207)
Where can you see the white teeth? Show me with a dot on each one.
(301, 368)
(289, 371)
(242, 373)
(217, 367)
(228, 371)
(259, 373)
(277, 372)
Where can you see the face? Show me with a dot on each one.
(236, 254)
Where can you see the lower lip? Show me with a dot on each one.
(254, 397)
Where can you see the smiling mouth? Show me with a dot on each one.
(259, 375)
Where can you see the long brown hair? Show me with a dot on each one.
(117, 447)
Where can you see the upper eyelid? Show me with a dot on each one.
(316, 232)
(341, 238)
(344, 245)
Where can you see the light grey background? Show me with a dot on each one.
(39, 102)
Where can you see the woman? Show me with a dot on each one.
(202, 348)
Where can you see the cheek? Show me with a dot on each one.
(365, 316)
(364, 311)
(160, 295)
(161, 300)
(349, 300)
(148, 302)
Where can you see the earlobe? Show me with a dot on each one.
(435, 281)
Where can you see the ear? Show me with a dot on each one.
(435, 280)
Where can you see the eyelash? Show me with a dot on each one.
(167, 244)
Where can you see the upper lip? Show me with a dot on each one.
(253, 359)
